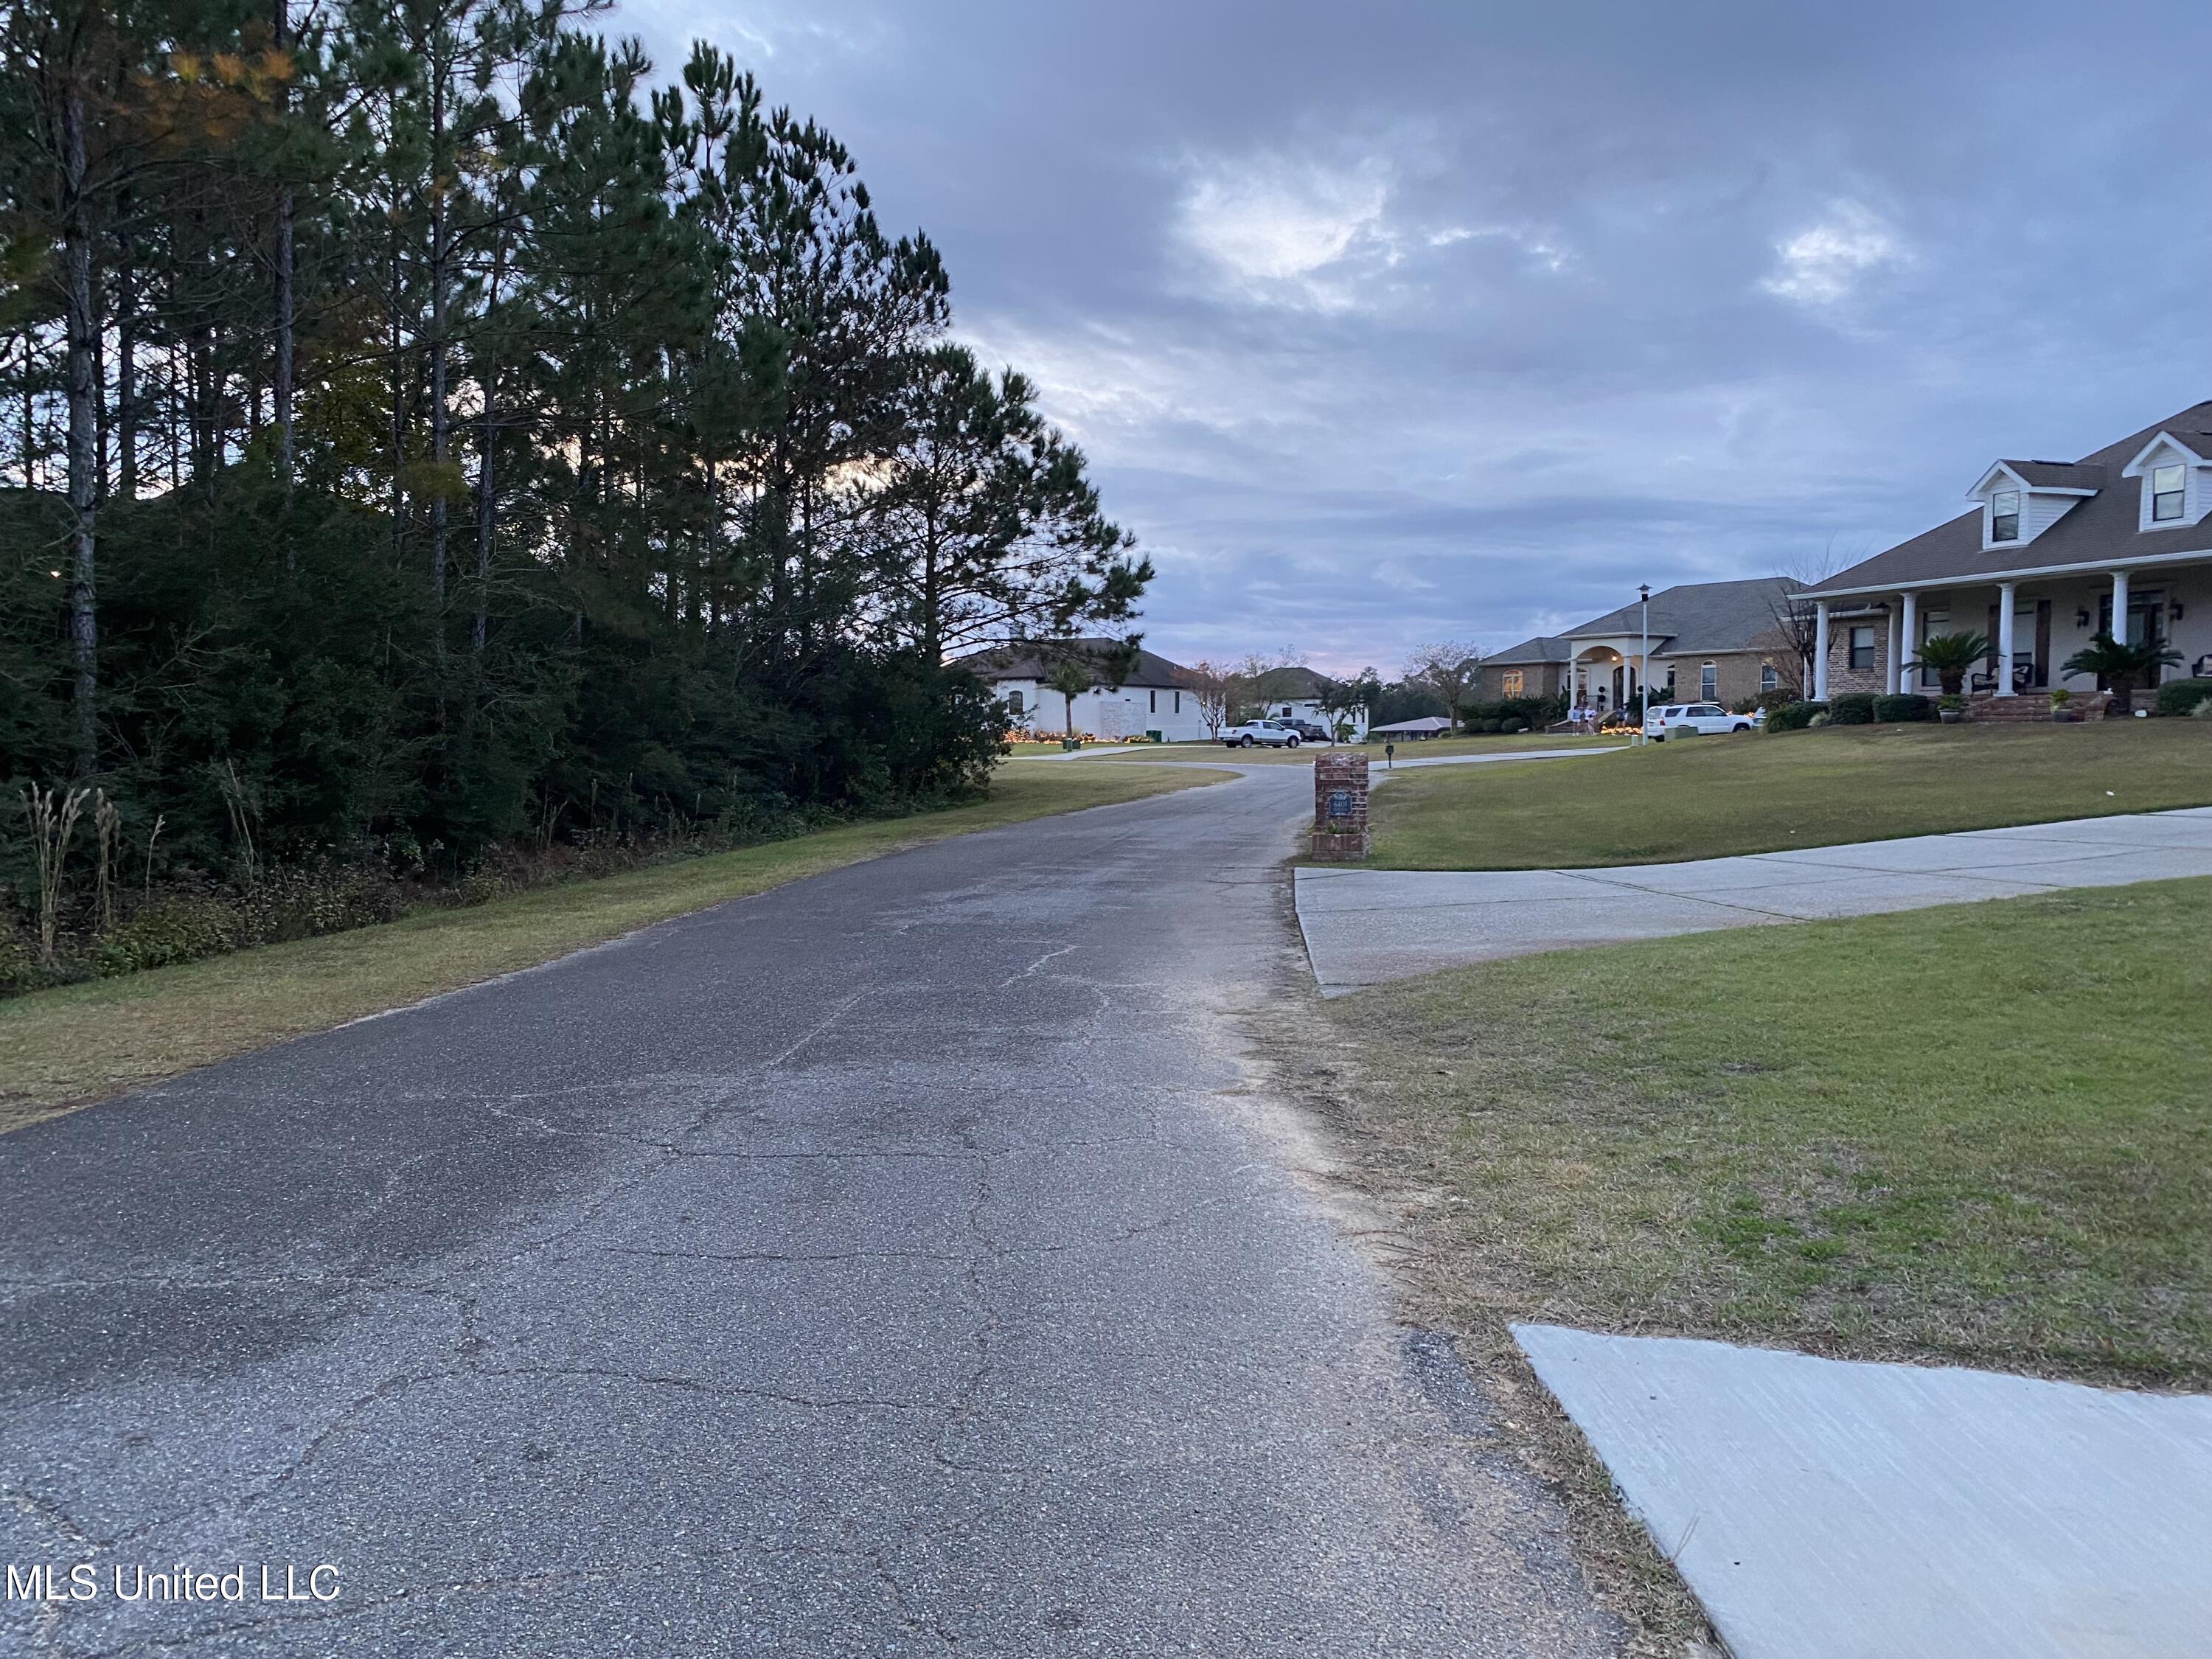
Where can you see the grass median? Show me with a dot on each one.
(1979, 1134)
(1713, 796)
(80, 1043)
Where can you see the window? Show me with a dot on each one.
(1708, 675)
(1769, 680)
(2165, 489)
(1509, 684)
(2004, 516)
(1178, 708)
(1156, 701)
(1014, 704)
(1861, 648)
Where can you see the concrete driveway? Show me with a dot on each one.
(1370, 927)
(897, 1262)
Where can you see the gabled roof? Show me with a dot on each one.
(1699, 616)
(2102, 531)
(1033, 660)
(1544, 647)
(2059, 475)
(1294, 684)
(1427, 723)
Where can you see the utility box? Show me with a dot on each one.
(1340, 826)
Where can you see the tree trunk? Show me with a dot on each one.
(126, 374)
(439, 421)
(83, 461)
(282, 302)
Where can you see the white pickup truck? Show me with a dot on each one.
(1276, 734)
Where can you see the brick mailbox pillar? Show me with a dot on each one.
(1339, 826)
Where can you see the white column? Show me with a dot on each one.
(2120, 606)
(2004, 638)
(1910, 625)
(1892, 671)
(1820, 651)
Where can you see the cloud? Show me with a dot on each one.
(1823, 264)
(1271, 227)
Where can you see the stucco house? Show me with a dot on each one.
(2050, 554)
(1712, 642)
(1294, 693)
(1536, 667)
(1151, 698)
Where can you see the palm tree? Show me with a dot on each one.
(1953, 657)
(1071, 677)
(2122, 667)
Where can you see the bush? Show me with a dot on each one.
(1853, 708)
(2183, 696)
(1490, 727)
(1514, 725)
(1900, 710)
(1795, 716)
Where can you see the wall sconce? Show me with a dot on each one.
(2174, 610)
(2080, 619)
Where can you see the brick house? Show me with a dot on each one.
(2051, 554)
(1534, 668)
(1709, 641)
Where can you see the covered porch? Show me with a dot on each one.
(2035, 622)
(1605, 677)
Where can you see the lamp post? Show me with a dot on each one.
(1643, 664)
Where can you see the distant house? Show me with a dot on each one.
(1534, 668)
(1295, 693)
(1151, 697)
(2051, 554)
(1429, 726)
(1710, 642)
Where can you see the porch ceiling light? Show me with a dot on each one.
(2081, 617)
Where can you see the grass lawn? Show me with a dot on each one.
(1708, 797)
(1430, 749)
(81, 1042)
(1980, 1134)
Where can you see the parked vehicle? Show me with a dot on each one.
(1311, 731)
(1689, 720)
(1276, 734)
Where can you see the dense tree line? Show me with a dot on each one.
(421, 430)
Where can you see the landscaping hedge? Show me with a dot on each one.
(1793, 716)
(2182, 696)
(1852, 708)
(1891, 711)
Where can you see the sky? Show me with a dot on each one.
(1388, 324)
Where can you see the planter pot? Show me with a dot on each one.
(1950, 716)
(2063, 716)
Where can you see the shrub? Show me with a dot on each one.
(1819, 720)
(1853, 708)
(1493, 726)
(1795, 716)
(1898, 710)
(2183, 696)
(1516, 724)
(181, 925)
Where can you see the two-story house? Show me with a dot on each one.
(2048, 554)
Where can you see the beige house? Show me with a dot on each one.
(1534, 668)
(2051, 554)
(1712, 641)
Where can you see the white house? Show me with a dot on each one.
(1151, 698)
(1295, 693)
(2050, 554)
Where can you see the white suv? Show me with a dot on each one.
(1687, 720)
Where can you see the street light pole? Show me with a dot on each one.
(1643, 667)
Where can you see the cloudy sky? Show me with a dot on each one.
(1391, 322)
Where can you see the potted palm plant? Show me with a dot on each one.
(2061, 705)
(2122, 667)
(1953, 656)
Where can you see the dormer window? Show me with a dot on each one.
(2166, 492)
(2004, 514)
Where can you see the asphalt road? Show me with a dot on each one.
(898, 1262)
